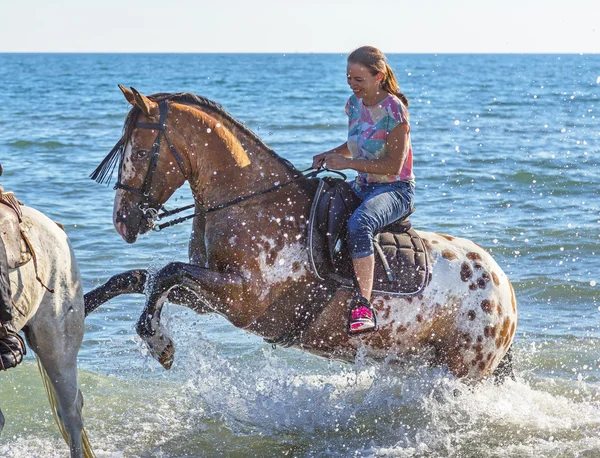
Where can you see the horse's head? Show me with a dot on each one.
(169, 138)
(150, 168)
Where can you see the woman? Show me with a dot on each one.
(379, 149)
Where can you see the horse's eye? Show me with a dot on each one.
(140, 154)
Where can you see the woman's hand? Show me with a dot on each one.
(318, 160)
(337, 162)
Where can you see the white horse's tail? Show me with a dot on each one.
(87, 447)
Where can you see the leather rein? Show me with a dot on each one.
(156, 211)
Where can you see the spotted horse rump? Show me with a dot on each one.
(467, 313)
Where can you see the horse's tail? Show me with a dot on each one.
(87, 447)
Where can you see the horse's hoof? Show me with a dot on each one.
(166, 356)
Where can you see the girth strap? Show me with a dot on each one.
(35, 264)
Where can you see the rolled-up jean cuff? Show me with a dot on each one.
(362, 254)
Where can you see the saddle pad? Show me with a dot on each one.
(401, 265)
(17, 252)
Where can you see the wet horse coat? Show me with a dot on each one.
(51, 321)
(249, 261)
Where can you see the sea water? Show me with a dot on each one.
(506, 154)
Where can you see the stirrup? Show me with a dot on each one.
(361, 316)
(12, 348)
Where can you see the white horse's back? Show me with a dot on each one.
(56, 268)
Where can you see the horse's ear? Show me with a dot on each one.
(148, 107)
(128, 94)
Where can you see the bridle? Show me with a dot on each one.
(151, 208)
(148, 205)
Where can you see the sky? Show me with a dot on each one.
(310, 26)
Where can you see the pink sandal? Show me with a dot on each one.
(361, 317)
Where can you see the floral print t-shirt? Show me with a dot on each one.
(368, 128)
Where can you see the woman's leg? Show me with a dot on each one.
(363, 269)
(381, 206)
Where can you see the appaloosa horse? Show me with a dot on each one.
(248, 250)
(46, 296)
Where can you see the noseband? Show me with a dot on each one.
(148, 205)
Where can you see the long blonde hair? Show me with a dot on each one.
(376, 62)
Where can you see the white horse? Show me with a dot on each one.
(48, 307)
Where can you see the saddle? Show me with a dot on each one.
(401, 262)
(17, 249)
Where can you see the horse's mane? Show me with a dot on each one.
(187, 98)
(104, 171)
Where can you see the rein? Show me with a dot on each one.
(235, 201)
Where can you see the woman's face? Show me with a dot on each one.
(362, 82)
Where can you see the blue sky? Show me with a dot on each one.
(417, 26)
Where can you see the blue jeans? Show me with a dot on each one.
(382, 204)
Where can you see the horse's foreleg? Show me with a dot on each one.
(130, 282)
(201, 282)
(133, 282)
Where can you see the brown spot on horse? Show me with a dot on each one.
(512, 298)
(471, 315)
(495, 279)
(483, 281)
(505, 334)
(473, 256)
(465, 271)
(449, 255)
(271, 256)
(447, 237)
(488, 306)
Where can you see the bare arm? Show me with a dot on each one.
(390, 164)
(342, 150)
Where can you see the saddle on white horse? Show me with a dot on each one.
(401, 262)
(13, 253)
(17, 251)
